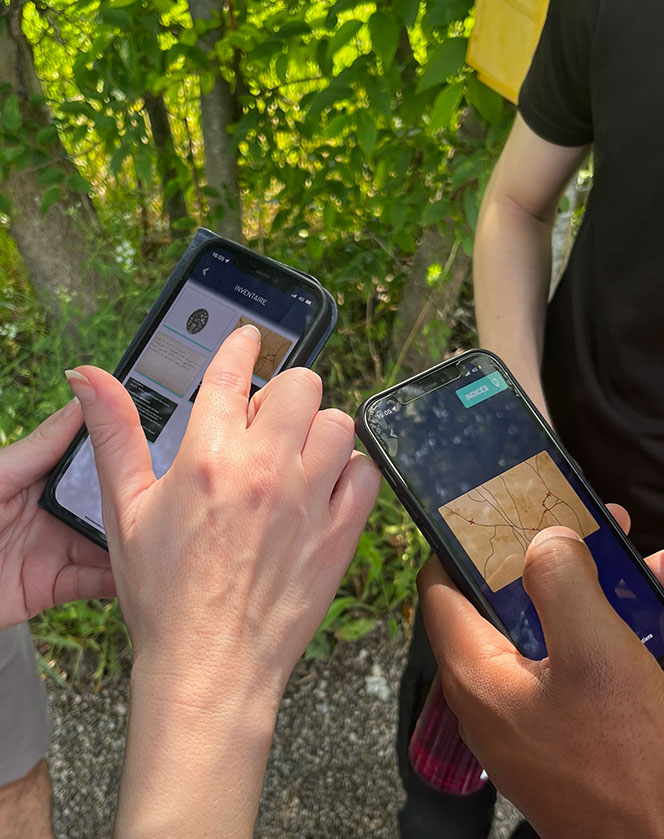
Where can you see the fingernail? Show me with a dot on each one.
(70, 407)
(81, 387)
(251, 331)
(555, 533)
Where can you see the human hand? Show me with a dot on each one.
(239, 549)
(573, 740)
(43, 562)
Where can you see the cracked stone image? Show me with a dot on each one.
(273, 348)
(197, 321)
(496, 521)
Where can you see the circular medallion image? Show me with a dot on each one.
(197, 321)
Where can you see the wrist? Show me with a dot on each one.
(197, 745)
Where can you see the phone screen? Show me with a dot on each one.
(221, 293)
(490, 477)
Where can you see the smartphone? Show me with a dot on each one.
(481, 473)
(217, 287)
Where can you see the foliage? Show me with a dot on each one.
(355, 128)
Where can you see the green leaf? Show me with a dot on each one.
(50, 175)
(471, 208)
(46, 136)
(185, 223)
(50, 196)
(175, 249)
(446, 60)
(281, 67)
(444, 12)
(487, 102)
(11, 153)
(77, 183)
(405, 241)
(315, 248)
(118, 158)
(189, 37)
(324, 62)
(292, 29)
(264, 52)
(78, 107)
(407, 11)
(116, 17)
(120, 4)
(329, 217)
(347, 31)
(436, 212)
(445, 106)
(324, 99)
(336, 127)
(11, 113)
(143, 166)
(366, 132)
(37, 100)
(356, 629)
(102, 42)
(378, 91)
(5, 204)
(384, 31)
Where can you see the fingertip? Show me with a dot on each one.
(621, 515)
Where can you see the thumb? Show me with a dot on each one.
(32, 458)
(579, 624)
(122, 455)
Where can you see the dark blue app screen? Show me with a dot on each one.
(490, 478)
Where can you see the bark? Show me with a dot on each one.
(219, 110)
(175, 205)
(420, 302)
(55, 247)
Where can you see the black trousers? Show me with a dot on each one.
(428, 813)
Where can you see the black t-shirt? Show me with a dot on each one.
(597, 78)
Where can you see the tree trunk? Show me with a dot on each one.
(421, 302)
(218, 111)
(55, 246)
(175, 205)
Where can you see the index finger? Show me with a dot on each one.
(223, 397)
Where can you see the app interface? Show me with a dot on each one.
(490, 478)
(217, 298)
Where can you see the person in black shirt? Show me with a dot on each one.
(591, 359)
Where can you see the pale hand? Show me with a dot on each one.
(43, 562)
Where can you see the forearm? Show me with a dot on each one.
(512, 268)
(195, 757)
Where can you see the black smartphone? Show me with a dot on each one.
(216, 288)
(481, 473)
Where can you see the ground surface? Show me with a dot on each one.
(331, 774)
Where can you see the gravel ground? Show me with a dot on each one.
(331, 774)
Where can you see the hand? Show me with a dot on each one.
(43, 562)
(252, 527)
(575, 741)
(224, 568)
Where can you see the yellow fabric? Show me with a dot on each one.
(503, 41)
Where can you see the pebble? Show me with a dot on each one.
(332, 771)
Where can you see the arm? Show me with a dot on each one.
(512, 255)
(224, 568)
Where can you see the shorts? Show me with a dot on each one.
(25, 727)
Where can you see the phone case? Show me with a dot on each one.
(455, 569)
(304, 357)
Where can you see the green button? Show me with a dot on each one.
(481, 389)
